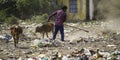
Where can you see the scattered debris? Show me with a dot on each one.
(37, 48)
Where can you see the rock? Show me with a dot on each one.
(1, 50)
(2, 37)
(116, 52)
(27, 52)
(111, 45)
(42, 55)
(25, 47)
(44, 58)
(57, 43)
(36, 42)
(30, 59)
(118, 58)
(21, 58)
(87, 52)
(65, 58)
(54, 56)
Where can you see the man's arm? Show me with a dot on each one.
(65, 17)
(54, 13)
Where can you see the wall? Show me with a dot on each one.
(80, 15)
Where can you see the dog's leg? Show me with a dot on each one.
(17, 39)
(15, 42)
(43, 35)
(52, 30)
(47, 35)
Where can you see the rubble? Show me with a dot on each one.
(65, 58)
(32, 47)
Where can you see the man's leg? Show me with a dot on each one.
(62, 32)
(55, 32)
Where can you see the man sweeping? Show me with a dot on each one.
(60, 18)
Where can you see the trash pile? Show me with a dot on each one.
(97, 44)
(82, 54)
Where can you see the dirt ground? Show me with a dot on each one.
(75, 39)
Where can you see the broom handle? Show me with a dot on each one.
(77, 28)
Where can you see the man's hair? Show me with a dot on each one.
(64, 7)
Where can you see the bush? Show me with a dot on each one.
(40, 18)
(2, 15)
(11, 20)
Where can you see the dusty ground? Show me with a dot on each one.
(75, 39)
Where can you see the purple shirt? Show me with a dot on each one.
(60, 17)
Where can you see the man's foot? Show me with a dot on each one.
(62, 40)
(51, 40)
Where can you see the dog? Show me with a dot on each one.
(45, 28)
(16, 31)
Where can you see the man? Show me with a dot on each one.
(60, 17)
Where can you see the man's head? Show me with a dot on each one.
(64, 8)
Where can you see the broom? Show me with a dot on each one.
(77, 28)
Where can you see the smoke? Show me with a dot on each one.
(109, 8)
(112, 25)
(110, 11)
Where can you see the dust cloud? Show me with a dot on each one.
(110, 11)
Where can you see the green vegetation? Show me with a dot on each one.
(25, 9)
(38, 10)
(40, 18)
(11, 20)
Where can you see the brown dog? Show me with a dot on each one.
(45, 28)
(16, 31)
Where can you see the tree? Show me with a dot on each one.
(24, 9)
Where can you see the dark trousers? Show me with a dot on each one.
(57, 28)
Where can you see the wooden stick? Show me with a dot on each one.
(77, 28)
